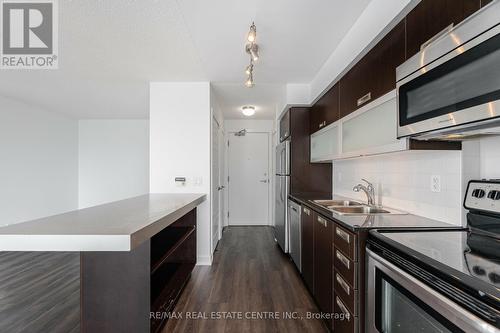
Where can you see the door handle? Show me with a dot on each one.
(281, 190)
(220, 188)
(343, 284)
(263, 181)
(363, 99)
(322, 221)
(343, 259)
(344, 235)
(343, 308)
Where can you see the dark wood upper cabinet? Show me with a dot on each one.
(307, 248)
(305, 177)
(375, 74)
(323, 263)
(285, 126)
(326, 110)
(430, 17)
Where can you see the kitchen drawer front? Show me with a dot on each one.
(346, 267)
(346, 293)
(345, 241)
(349, 324)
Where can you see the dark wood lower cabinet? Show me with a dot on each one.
(333, 257)
(307, 248)
(133, 291)
(344, 321)
(323, 246)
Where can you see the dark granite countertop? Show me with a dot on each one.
(365, 222)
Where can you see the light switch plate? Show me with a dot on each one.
(198, 181)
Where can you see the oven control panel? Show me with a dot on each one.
(483, 195)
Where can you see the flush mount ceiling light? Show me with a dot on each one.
(248, 110)
(253, 50)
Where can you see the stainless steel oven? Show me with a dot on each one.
(398, 302)
(451, 88)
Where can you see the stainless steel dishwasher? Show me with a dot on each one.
(295, 242)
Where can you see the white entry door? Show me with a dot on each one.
(248, 171)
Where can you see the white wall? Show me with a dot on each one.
(490, 157)
(402, 180)
(180, 121)
(235, 125)
(113, 160)
(38, 162)
(378, 18)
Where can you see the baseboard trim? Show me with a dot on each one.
(204, 261)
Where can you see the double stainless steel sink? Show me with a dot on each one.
(348, 207)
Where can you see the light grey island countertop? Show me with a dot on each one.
(116, 226)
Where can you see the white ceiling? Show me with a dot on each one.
(265, 98)
(110, 50)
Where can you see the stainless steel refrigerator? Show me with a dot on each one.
(281, 228)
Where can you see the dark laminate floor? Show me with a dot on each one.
(249, 274)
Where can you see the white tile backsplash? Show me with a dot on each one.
(490, 157)
(402, 180)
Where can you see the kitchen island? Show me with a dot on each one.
(100, 269)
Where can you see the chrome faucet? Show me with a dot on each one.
(369, 191)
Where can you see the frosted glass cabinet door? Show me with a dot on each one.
(325, 144)
(373, 131)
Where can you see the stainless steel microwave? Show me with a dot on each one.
(451, 88)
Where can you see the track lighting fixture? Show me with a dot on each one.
(253, 50)
(249, 82)
(249, 69)
(252, 34)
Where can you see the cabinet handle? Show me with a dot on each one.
(344, 235)
(307, 212)
(436, 36)
(364, 99)
(322, 221)
(343, 259)
(343, 284)
(343, 308)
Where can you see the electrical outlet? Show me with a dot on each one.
(436, 183)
